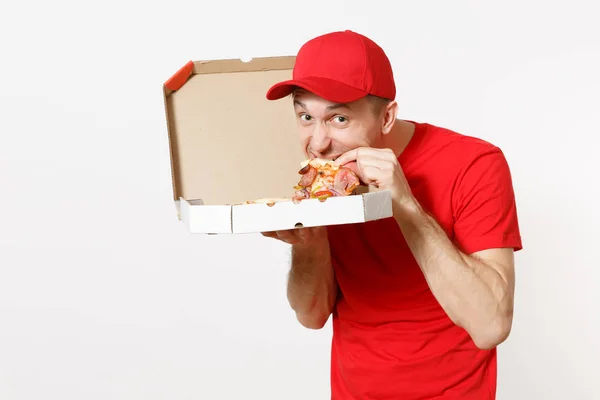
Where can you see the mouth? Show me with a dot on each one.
(323, 156)
(332, 158)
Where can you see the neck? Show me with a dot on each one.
(399, 137)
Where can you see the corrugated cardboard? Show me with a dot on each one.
(229, 145)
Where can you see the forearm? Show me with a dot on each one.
(473, 294)
(312, 289)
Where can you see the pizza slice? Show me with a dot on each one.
(322, 179)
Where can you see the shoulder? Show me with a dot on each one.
(471, 160)
(458, 142)
(463, 166)
(455, 151)
(470, 176)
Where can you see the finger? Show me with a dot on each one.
(365, 165)
(284, 237)
(377, 162)
(347, 157)
(389, 155)
(386, 155)
(307, 234)
(288, 236)
(366, 152)
(373, 175)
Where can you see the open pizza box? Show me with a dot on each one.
(230, 145)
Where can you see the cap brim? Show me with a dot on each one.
(323, 87)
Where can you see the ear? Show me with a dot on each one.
(389, 117)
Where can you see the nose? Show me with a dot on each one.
(320, 141)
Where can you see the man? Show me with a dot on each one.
(419, 301)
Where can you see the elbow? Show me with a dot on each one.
(313, 321)
(494, 334)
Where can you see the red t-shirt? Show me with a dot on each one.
(391, 338)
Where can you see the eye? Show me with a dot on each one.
(340, 120)
(305, 117)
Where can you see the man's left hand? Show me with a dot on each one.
(378, 168)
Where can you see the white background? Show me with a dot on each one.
(103, 295)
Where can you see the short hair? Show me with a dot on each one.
(379, 103)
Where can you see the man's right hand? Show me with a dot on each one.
(303, 236)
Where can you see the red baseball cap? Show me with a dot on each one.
(340, 67)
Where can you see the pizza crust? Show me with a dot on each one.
(270, 201)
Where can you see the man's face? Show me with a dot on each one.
(328, 129)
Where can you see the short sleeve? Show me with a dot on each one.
(484, 206)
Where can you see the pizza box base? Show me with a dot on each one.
(262, 217)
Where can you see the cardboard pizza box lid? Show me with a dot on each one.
(229, 145)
